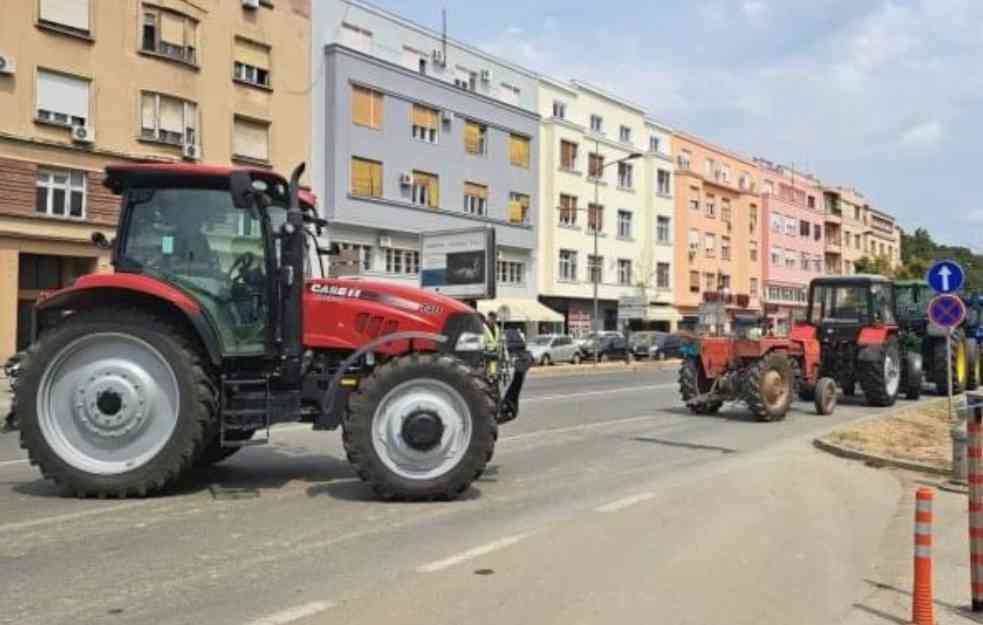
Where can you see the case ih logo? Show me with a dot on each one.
(335, 291)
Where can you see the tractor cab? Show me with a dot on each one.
(841, 306)
(912, 298)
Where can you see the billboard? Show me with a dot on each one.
(459, 263)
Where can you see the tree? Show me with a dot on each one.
(878, 265)
(919, 251)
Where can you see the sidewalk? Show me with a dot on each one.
(889, 583)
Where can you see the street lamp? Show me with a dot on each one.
(595, 271)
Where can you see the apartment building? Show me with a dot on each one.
(844, 229)
(606, 184)
(882, 238)
(85, 83)
(793, 241)
(718, 231)
(416, 133)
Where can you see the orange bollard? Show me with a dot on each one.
(974, 458)
(922, 607)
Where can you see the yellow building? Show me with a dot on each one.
(84, 83)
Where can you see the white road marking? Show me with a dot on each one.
(6, 463)
(625, 389)
(61, 518)
(621, 504)
(471, 554)
(294, 614)
(576, 428)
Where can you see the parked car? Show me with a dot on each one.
(608, 346)
(641, 343)
(667, 346)
(548, 349)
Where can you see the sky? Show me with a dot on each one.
(882, 95)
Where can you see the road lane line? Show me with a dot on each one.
(61, 518)
(621, 504)
(7, 463)
(625, 389)
(471, 554)
(576, 428)
(294, 614)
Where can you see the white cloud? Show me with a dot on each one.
(753, 8)
(926, 135)
(514, 30)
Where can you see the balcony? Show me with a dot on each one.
(834, 244)
(834, 217)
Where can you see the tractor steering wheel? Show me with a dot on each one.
(240, 267)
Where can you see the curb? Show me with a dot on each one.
(558, 371)
(853, 454)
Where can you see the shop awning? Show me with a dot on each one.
(663, 313)
(521, 310)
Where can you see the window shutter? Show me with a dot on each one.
(424, 117)
(375, 99)
(361, 106)
(72, 13)
(476, 190)
(251, 139)
(172, 28)
(253, 54)
(472, 138)
(434, 192)
(362, 177)
(63, 94)
(171, 115)
(148, 110)
(519, 150)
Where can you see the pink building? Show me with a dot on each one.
(792, 241)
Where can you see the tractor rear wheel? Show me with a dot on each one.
(956, 363)
(880, 379)
(421, 427)
(769, 386)
(973, 379)
(114, 403)
(692, 383)
(913, 375)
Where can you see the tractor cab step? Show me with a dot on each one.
(245, 406)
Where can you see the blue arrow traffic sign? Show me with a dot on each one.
(947, 311)
(945, 276)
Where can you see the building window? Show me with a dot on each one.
(559, 110)
(710, 282)
(753, 251)
(710, 207)
(595, 165)
(60, 193)
(804, 229)
(805, 261)
(595, 269)
(72, 15)
(425, 123)
(694, 204)
(364, 253)
(624, 272)
(518, 208)
(684, 159)
(662, 276)
(790, 226)
(597, 124)
(710, 245)
(709, 165)
(625, 134)
(511, 273)
(595, 218)
(664, 180)
(568, 265)
(475, 138)
(754, 287)
(568, 210)
(653, 144)
(168, 120)
(402, 262)
(624, 224)
(426, 189)
(694, 282)
(725, 213)
(366, 177)
(817, 232)
(694, 240)
(724, 248)
(252, 63)
(776, 256)
(662, 229)
(777, 222)
(724, 282)
(62, 99)
(519, 151)
(568, 155)
(170, 34)
(475, 199)
(811, 201)
(752, 218)
(366, 107)
(251, 140)
(625, 176)
(789, 259)
(743, 181)
(725, 173)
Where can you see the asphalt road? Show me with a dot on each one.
(606, 502)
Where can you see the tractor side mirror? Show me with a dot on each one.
(241, 187)
(100, 241)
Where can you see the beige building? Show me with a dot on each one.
(854, 230)
(85, 83)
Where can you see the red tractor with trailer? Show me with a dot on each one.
(211, 329)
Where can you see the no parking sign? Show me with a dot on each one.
(947, 311)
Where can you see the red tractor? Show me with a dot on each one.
(211, 330)
(763, 372)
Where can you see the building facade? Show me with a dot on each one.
(89, 83)
(718, 231)
(590, 198)
(844, 229)
(793, 241)
(882, 238)
(416, 134)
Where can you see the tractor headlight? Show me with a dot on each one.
(468, 342)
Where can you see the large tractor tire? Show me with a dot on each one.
(769, 387)
(913, 375)
(114, 403)
(880, 379)
(956, 363)
(421, 427)
(692, 383)
(213, 453)
(973, 379)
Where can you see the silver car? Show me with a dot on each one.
(547, 349)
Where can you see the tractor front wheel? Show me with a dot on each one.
(114, 403)
(693, 383)
(769, 387)
(956, 363)
(880, 378)
(421, 427)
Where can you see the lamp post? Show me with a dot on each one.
(595, 271)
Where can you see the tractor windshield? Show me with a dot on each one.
(198, 240)
(839, 303)
(913, 301)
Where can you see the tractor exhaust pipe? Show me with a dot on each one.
(292, 255)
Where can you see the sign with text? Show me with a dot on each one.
(459, 263)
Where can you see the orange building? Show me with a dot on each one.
(718, 230)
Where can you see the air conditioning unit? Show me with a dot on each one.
(447, 117)
(438, 56)
(405, 179)
(385, 241)
(7, 65)
(191, 152)
(83, 134)
(486, 75)
(250, 4)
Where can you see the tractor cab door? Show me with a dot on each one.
(198, 241)
(840, 312)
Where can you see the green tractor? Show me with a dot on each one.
(918, 334)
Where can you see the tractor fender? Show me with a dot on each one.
(122, 290)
